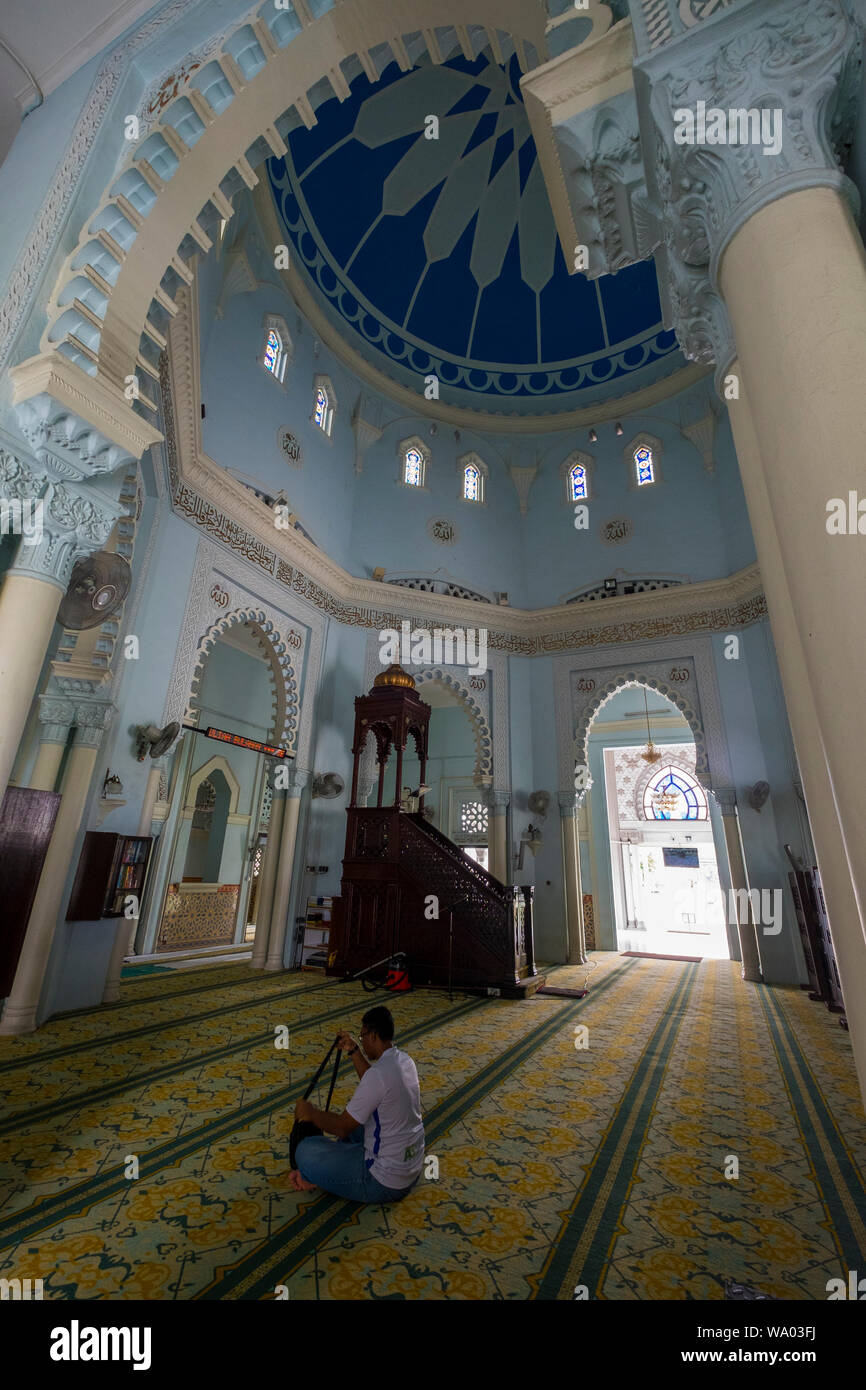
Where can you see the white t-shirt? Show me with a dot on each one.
(387, 1102)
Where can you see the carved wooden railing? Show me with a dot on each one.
(407, 887)
(494, 917)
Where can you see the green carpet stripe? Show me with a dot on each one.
(148, 1029)
(839, 1203)
(609, 1179)
(286, 1249)
(75, 1201)
(239, 973)
(98, 1094)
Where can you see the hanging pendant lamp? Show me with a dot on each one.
(650, 753)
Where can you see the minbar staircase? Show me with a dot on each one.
(398, 870)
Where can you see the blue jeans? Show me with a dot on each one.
(339, 1167)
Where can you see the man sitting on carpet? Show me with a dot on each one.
(380, 1152)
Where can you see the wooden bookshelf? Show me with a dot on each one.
(317, 931)
(111, 869)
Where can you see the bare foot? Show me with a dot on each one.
(300, 1184)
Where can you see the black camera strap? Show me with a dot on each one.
(324, 1063)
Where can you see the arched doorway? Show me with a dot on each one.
(218, 811)
(656, 871)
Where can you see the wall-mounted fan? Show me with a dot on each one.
(538, 802)
(155, 741)
(327, 785)
(97, 587)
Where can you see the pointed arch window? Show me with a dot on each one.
(413, 458)
(472, 474)
(578, 483)
(273, 352)
(324, 404)
(276, 347)
(673, 794)
(413, 472)
(643, 462)
(576, 472)
(643, 456)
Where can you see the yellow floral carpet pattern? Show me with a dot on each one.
(674, 1129)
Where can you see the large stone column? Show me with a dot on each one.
(56, 717)
(19, 1015)
(762, 262)
(63, 477)
(842, 906)
(265, 904)
(750, 953)
(572, 880)
(806, 393)
(285, 868)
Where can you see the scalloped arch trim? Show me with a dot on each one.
(286, 711)
(613, 687)
(480, 726)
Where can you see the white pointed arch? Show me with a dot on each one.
(275, 650)
(676, 698)
(111, 301)
(483, 770)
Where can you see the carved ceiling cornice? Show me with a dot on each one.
(205, 494)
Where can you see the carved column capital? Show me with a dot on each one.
(17, 479)
(92, 718)
(68, 520)
(568, 804)
(795, 65)
(56, 717)
(726, 800)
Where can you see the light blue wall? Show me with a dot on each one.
(692, 523)
(245, 407)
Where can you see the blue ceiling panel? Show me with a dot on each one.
(630, 297)
(392, 260)
(506, 316)
(445, 303)
(557, 330)
(440, 255)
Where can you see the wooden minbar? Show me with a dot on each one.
(407, 887)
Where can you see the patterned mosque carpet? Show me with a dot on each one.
(606, 1167)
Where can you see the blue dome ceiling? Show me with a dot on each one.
(440, 256)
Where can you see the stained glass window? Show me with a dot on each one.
(320, 414)
(643, 462)
(471, 483)
(673, 795)
(412, 468)
(273, 352)
(578, 483)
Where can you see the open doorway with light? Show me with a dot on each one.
(666, 895)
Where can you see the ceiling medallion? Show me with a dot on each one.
(289, 446)
(617, 530)
(441, 530)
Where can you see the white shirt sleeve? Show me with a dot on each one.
(369, 1094)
